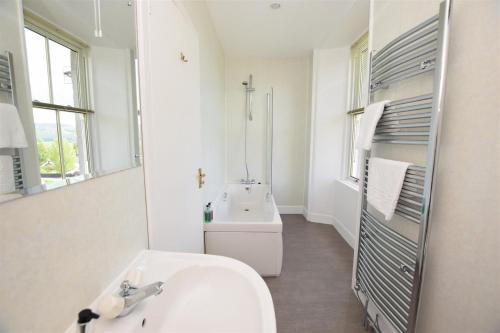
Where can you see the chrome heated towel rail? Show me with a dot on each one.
(7, 86)
(389, 266)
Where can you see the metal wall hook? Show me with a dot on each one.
(183, 58)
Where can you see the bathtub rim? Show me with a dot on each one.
(275, 225)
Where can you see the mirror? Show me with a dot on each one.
(76, 113)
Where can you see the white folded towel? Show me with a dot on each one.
(369, 121)
(384, 184)
(7, 184)
(11, 129)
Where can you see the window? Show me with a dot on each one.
(58, 89)
(359, 71)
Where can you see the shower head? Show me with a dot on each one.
(248, 89)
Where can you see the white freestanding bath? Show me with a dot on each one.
(247, 227)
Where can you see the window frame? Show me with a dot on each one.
(352, 141)
(357, 102)
(51, 33)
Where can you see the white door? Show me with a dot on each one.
(170, 78)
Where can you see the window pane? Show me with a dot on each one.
(37, 65)
(48, 145)
(359, 71)
(63, 69)
(355, 153)
(74, 144)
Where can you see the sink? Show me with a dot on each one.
(222, 299)
(202, 293)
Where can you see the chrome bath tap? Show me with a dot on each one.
(247, 181)
(248, 184)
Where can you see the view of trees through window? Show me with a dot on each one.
(55, 88)
(50, 162)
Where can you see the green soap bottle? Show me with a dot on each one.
(206, 214)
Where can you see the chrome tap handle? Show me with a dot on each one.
(126, 288)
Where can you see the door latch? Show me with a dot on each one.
(201, 178)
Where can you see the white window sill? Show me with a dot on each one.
(350, 183)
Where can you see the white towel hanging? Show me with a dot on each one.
(369, 122)
(386, 179)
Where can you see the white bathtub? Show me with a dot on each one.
(247, 227)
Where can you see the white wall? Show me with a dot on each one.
(346, 206)
(460, 290)
(112, 95)
(308, 140)
(171, 118)
(328, 119)
(60, 249)
(290, 79)
(212, 99)
(183, 119)
(12, 40)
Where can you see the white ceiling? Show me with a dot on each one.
(77, 18)
(252, 28)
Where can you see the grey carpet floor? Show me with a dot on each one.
(313, 293)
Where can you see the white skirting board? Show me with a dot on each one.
(320, 218)
(291, 209)
(329, 219)
(348, 237)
